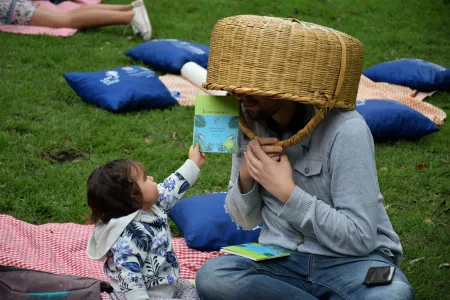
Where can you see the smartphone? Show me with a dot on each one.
(379, 276)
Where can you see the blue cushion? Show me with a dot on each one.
(170, 55)
(121, 89)
(206, 225)
(391, 120)
(414, 73)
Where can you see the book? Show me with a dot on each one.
(256, 251)
(216, 123)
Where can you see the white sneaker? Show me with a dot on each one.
(141, 23)
(137, 3)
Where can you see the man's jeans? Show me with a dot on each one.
(299, 276)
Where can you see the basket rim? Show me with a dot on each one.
(317, 98)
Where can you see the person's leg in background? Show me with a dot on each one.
(83, 17)
(24, 12)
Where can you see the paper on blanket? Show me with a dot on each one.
(197, 75)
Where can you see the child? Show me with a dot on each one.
(132, 234)
(27, 12)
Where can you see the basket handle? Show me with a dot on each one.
(320, 113)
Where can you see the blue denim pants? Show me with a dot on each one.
(299, 276)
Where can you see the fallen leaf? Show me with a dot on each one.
(148, 141)
(435, 196)
(428, 220)
(126, 151)
(421, 166)
(182, 147)
(338, 19)
(384, 169)
(1, 163)
(417, 260)
(402, 168)
(16, 117)
(444, 265)
(352, 12)
(174, 135)
(2, 186)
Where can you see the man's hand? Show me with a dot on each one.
(274, 176)
(246, 181)
(267, 145)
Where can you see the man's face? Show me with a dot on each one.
(259, 108)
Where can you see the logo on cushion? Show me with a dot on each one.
(128, 69)
(186, 46)
(424, 63)
(360, 102)
(111, 78)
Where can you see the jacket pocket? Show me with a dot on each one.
(309, 167)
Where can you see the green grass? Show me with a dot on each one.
(50, 140)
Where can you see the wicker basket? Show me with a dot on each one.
(285, 59)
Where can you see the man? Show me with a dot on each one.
(319, 199)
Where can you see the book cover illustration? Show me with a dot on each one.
(216, 123)
(256, 251)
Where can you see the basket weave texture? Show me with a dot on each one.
(285, 59)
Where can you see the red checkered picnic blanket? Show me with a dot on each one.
(369, 89)
(61, 248)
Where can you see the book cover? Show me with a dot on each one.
(216, 123)
(256, 251)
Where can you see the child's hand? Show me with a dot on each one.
(196, 156)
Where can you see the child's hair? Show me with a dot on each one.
(112, 190)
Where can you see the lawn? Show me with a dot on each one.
(50, 140)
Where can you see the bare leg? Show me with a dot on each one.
(79, 18)
(106, 7)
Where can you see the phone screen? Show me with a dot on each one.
(379, 275)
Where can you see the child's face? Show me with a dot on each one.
(149, 189)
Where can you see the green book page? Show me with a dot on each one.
(216, 123)
(216, 105)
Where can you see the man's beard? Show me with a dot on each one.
(259, 115)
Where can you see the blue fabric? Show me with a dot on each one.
(299, 276)
(53, 295)
(206, 225)
(121, 89)
(414, 73)
(391, 120)
(170, 55)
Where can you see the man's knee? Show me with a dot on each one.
(217, 277)
(209, 279)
